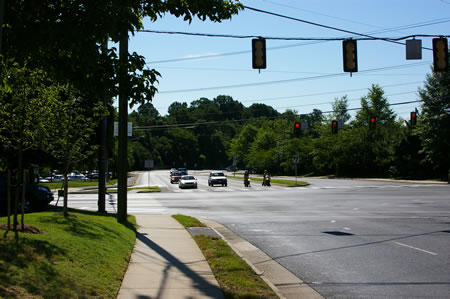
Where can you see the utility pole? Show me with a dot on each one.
(102, 160)
(123, 129)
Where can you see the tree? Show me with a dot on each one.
(434, 122)
(23, 115)
(72, 124)
(340, 109)
(68, 38)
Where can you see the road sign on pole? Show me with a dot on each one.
(295, 159)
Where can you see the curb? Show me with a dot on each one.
(285, 284)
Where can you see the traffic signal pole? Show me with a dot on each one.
(122, 163)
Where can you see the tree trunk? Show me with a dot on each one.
(24, 189)
(9, 199)
(18, 181)
(66, 189)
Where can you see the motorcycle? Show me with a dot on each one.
(266, 181)
(247, 182)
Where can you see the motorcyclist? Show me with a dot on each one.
(246, 179)
(266, 178)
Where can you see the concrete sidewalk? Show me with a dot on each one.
(166, 263)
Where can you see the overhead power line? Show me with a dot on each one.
(289, 80)
(290, 38)
(190, 125)
(325, 26)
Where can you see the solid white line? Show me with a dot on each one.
(426, 251)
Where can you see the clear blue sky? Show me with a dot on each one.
(314, 69)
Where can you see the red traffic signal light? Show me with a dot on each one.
(413, 118)
(350, 55)
(297, 128)
(334, 127)
(259, 53)
(372, 123)
(440, 54)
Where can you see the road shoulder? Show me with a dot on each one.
(282, 281)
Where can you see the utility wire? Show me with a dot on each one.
(290, 38)
(289, 80)
(190, 125)
(325, 26)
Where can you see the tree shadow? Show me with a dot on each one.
(199, 282)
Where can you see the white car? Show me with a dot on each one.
(217, 178)
(187, 181)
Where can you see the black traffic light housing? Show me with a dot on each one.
(350, 55)
(297, 129)
(334, 126)
(372, 123)
(440, 54)
(413, 118)
(259, 53)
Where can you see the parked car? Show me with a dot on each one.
(217, 178)
(187, 181)
(183, 171)
(36, 196)
(175, 177)
(77, 177)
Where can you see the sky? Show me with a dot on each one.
(300, 75)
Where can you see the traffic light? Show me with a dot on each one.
(297, 129)
(372, 123)
(334, 126)
(413, 118)
(440, 54)
(259, 53)
(350, 56)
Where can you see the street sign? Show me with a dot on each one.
(295, 159)
(149, 164)
(234, 160)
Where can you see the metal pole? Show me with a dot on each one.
(296, 173)
(123, 129)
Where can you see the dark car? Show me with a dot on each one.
(175, 177)
(183, 171)
(36, 196)
(217, 178)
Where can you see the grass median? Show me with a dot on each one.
(84, 255)
(287, 183)
(235, 277)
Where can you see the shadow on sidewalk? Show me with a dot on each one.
(199, 282)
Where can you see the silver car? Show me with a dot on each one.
(187, 181)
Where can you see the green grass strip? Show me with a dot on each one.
(235, 277)
(288, 183)
(82, 256)
(77, 184)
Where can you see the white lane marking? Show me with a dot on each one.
(412, 247)
(347, 228)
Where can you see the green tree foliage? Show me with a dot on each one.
(434, 122)
(340, 109)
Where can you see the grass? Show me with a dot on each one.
(77, 184)
(85, 255)
(235, 277)
(288, 183)
(114, 190)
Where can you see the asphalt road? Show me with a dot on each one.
(345, 238)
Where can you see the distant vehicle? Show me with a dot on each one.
(57, 178)
(183, 171)
(175, 177)
(77, 177)
(187, 181)
(172, 170)
(36, 196)
(45, 180)
(217, 178)
(93, 175)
